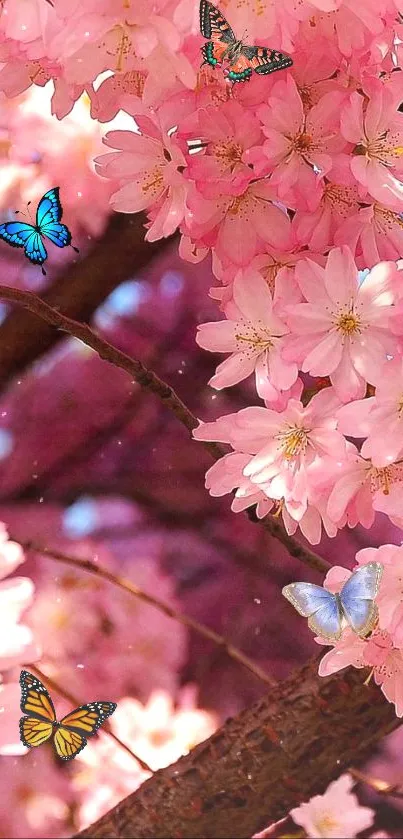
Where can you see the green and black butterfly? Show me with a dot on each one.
(224, 48)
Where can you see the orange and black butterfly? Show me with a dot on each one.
(223, 47)
(69, 736)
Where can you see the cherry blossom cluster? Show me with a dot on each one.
(291, 183)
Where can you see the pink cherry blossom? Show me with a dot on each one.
(147, 167)
(343, 328)
(379, 418)
(226, 132)
(282, 446)
(337, 813)
(375, 232)
(239, 226)
(375, 127)
(298, 145)
(253, 334)
(360, 489)
(328, 206)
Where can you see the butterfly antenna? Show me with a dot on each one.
(75, 249)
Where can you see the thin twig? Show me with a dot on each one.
(146, 378)
(294, 548)
(149, 380)
(74, 701)
(135, 591)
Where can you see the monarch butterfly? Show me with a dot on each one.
(223, 46)
(70, 734)
(19, 234)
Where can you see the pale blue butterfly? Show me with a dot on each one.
(354, 606)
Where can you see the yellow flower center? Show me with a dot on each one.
(341, 198)
(326, 824)
(385, 148)
(133, 82)
(302, 142)
(385, 219)
(228, 153)
(293, 442)
(382, 478)
(348, 323)
(154, 183)
(124, 46)
(253, 338)
(241, 205)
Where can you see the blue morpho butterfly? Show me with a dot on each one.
(19, 234)
(354, 606)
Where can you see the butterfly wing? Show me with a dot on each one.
(49, 208)
(264, 60)
(18, 234)
(213, 24)
(67, 743)
(358, 595)
(34, 732)
(35, 699)
(59, 234)
(48, 217)
(88, 718)
(71, 736)
(321, 607)
(37, 727)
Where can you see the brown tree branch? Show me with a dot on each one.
(78, 292)
(165, 608)
(278, 753)
(148, 380)
(75, 702)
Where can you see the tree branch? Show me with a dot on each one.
(78, 292)
(148, 380)
(165, 608)
(145, 377)
(281, 751)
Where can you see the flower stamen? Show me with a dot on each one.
(293, 442)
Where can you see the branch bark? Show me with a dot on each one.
(78, 292)
(278, 753)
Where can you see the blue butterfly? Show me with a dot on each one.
(328, 614)
(19, 234)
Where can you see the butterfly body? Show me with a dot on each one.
(20, 234)
(69, 735)
(224, 48)
(354, 606)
